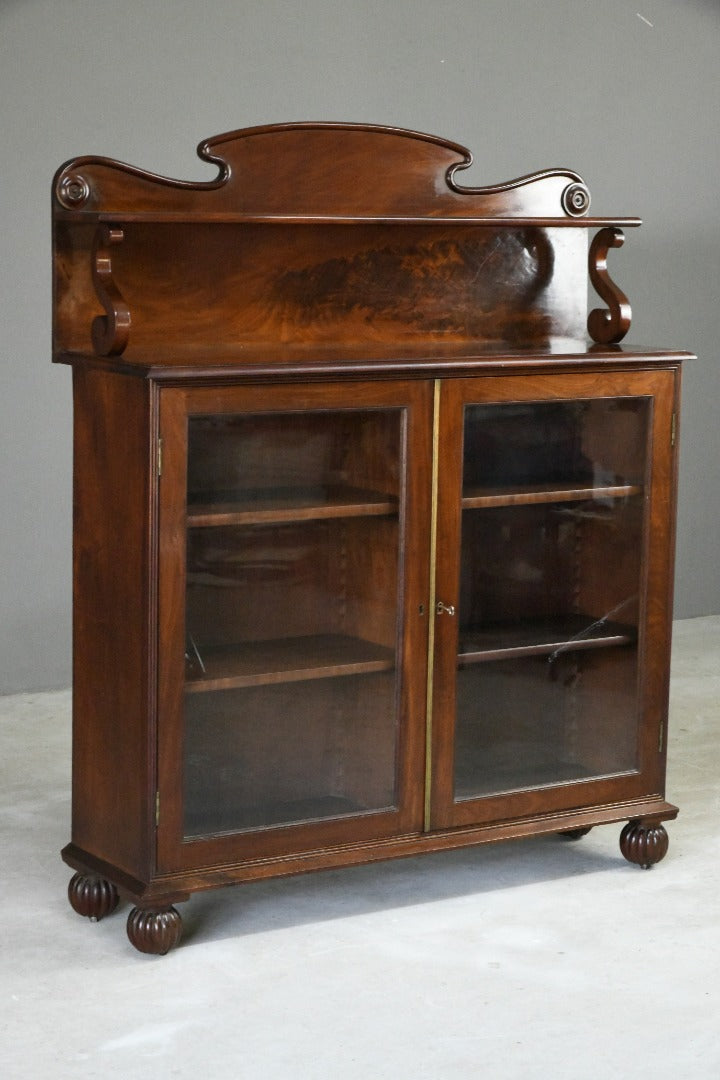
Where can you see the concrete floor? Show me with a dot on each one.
(539, 958)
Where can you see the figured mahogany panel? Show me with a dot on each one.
(243, 285)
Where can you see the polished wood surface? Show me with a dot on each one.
(373, 238)
(269, 369)
(547, 637)
(92, 896)
(530, 494)
(114, 616)
(258, 663)
(320, 169)
(644, 843)
(289, 504)
(612, 324)
(253, 285)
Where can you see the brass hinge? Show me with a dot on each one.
(673, 428)
(157, 809)
(661, 738)
(159, 457)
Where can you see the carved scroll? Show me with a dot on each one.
(72, 190)
(110, 332)
(609, 325)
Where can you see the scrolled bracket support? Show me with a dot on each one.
(611, 324)
(110, 332)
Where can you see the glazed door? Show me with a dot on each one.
(293, 593)
(553, 613)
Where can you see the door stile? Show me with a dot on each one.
(435, 472)
(446, 581)
(659, 550)
(171, 614)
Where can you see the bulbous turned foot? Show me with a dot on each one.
(575, 834)
(644, 844)
(92, 896)
(154, 932)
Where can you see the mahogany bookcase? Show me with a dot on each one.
(373, 545)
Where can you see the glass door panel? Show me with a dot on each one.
(293, 575)
(550, 580)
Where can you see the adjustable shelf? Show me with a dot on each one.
(207, 822)
(528, 494)
(540, 638)
(276, 505)
(260, 663)
(506, 777)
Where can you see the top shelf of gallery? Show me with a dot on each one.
(172, 217)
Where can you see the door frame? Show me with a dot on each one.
(174, 853)
(661, 387)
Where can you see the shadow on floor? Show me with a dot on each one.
(257, 907)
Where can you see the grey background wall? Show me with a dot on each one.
(627, 92)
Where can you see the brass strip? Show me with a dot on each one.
(431, 603)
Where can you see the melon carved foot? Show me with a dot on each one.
(154, 932)
(644, 843)
(92, 896)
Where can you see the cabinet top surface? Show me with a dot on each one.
(432, 360)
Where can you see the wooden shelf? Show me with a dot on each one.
(495, 778)
(274, 505)
(260, 663)
(229, 217)
(206, 820)
(540, 638)
(527, 494)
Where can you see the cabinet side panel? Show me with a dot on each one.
(75, 302)
(113, 759)
(660, 571)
